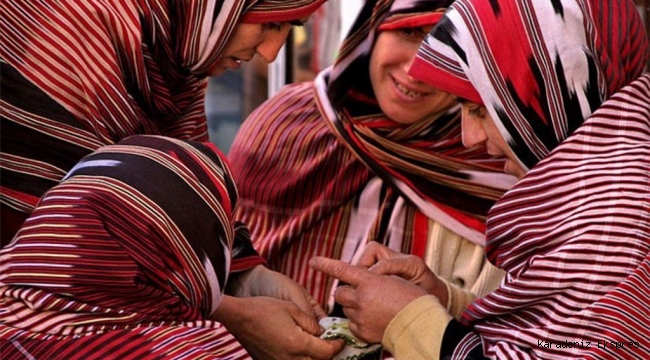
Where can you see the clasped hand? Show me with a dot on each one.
(380, 285)
(273, 317)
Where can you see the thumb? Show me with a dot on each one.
(373, 253)
(306, 303)
(401, 267)
(309, 305)
(323, 349)
(315, 307)
(307, 322)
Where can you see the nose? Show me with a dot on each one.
(271, 44)
(409, 57)
(472, 131)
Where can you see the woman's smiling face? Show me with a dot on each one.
(402, 98)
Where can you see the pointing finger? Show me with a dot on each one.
(345, 272)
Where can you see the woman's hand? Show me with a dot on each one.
(379, 259)
(272, 329)
(375, 252)
(371, 300)
(262, 281)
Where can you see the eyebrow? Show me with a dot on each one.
(299, 22)
(461, 100)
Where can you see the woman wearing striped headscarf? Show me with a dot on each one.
(559, 89)
(363, 154)
(79, 75)
(113, 264)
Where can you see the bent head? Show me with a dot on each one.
(539, 68)
(479, 129)
(249, 39)
(262, 30)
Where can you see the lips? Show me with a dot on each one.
(236, 62)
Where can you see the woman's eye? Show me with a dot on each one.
(413, 33)
(276, 26)
(478, 111)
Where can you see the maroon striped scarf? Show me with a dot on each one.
(77, 75)
(574, 233)
(126, 257)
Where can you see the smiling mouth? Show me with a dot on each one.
(408, 92)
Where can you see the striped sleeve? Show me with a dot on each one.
(460, 342)
(244, 256)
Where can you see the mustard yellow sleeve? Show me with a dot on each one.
(460, 262)
(416, 332)
(458, 299)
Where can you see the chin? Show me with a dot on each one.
(401, 116)
(216, 71)
(513, 169)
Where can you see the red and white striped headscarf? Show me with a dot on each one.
(564, 82)
(129, 253)
(537, 82)
(77, 75)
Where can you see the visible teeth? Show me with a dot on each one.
(408, 92)
(238, 61)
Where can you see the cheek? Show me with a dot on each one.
(379, 82)
(380, 56)
(512, 167)
(497, 138)
(375, 71)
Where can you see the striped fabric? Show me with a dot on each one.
(578, 258)
(126, 258)
(80, 74)
(574, 233)
(322, 171)
(542, 85)
(279, 10)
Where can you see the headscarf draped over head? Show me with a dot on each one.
(138, 234)
(249, 11)
(80, 75)
(155, 51)
(375, 16)
(564, 82)
(127, 257)
(263, 11)
(426, 160)
(538, 82)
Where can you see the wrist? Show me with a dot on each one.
(444, 293)
(239, 283)
(227, 310)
